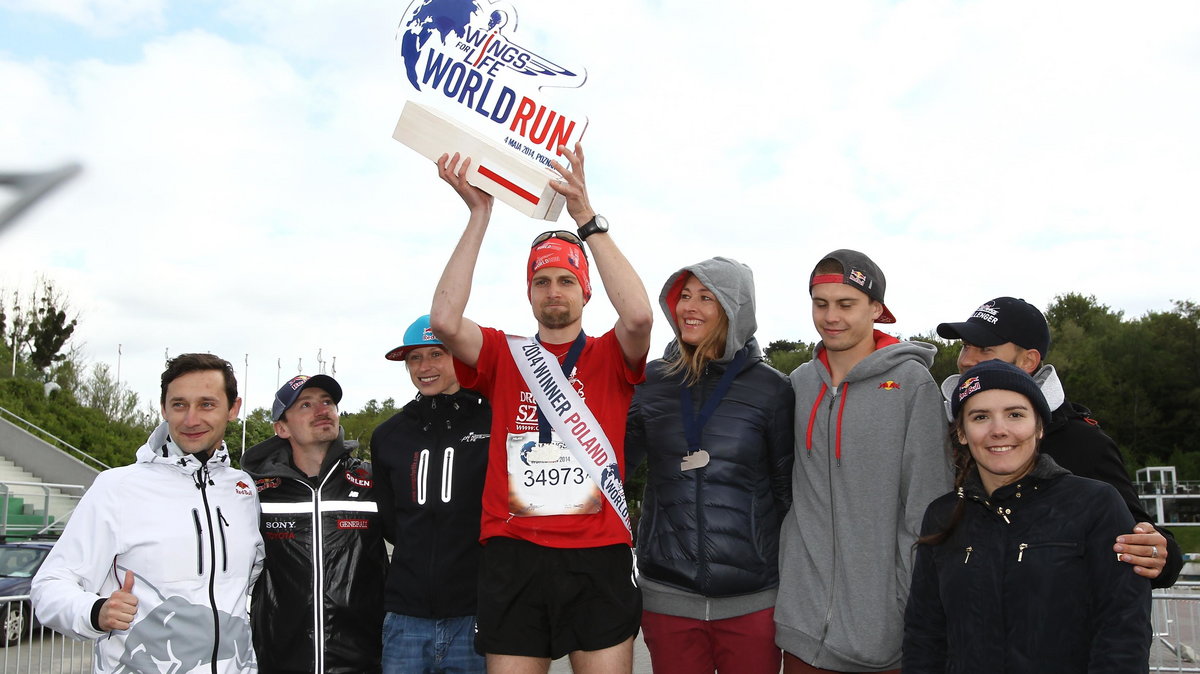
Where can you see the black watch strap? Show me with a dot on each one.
(594, 226)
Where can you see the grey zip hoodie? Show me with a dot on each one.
(871, 454)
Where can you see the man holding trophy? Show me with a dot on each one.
(556, 575)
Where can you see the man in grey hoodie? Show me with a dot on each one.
(870, 456)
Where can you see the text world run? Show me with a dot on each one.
(537, 123)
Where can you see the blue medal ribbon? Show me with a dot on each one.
(568, 364)
(693, 425)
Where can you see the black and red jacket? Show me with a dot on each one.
(324, 537)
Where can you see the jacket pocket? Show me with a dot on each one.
(222, 525)
(199, 542)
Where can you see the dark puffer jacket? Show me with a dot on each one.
(713, 531)
(343, 561)
(430, 458)
(1028, 582)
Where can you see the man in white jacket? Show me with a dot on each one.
(158, 558)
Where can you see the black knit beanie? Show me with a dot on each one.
(997, 374)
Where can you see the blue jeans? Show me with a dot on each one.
(430, 646)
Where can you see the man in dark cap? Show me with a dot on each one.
(1014, 331)
(318, 605)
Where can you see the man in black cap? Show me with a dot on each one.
(318, 605)
(1014, 331)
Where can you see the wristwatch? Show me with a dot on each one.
(597, 224)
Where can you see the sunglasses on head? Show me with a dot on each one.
(562, 235)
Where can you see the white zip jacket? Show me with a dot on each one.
(189, 532)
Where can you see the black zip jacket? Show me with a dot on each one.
(714, 530)
(338, 555)
(1075, 441)
(1028, 582)
(431, 458)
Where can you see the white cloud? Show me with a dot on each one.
(102, 17)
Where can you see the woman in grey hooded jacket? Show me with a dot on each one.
(715, 425)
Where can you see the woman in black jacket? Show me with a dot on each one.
(1015, 570)
(715, 425)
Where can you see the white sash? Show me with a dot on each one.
(571, 419)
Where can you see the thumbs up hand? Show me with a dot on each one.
(119, 609)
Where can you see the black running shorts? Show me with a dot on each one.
(547, 602)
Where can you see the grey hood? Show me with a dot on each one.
(733, 285)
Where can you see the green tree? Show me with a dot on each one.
(785, 356)
(1140, 378)
(101, 391)
(945, 362)
(36, 328)
(358, 426)
(258, 429)
(60, 414)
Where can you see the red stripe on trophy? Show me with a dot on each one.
(507, 184)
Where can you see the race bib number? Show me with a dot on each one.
(544, 479)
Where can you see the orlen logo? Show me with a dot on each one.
(359, 477)
(354, 524)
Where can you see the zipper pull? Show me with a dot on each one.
(969, 550)
(1003, 512)
(1021, 550)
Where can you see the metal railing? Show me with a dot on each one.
(49, 523)
(53, 439)
(1176, 621)
(1176, 628)
(1170, 488)
(26, 648)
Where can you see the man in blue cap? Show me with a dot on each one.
(317, 606)
(430, 459)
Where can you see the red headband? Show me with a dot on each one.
(563, 254)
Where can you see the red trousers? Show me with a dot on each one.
(741, 645)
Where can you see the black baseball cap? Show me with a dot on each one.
(287, 394)
(858, 271)
(1002, 320)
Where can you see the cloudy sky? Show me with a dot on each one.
(241, 193)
